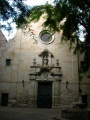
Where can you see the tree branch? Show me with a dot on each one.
(87, 2)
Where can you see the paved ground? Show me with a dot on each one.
(13, 113)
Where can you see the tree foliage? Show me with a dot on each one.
(14, 9)
(73, 13)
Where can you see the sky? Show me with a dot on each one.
(28, 2)
(36, 2)
(31, 3)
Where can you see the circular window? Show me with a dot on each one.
(46, 37)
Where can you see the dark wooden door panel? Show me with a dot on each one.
(4, 99)
(44, 99)
(84, 100)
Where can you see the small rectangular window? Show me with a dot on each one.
(8, 62)
(82, 63)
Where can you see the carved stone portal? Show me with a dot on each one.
(47, 69)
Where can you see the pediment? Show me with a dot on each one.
(47, 53)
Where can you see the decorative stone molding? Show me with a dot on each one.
(47, 70)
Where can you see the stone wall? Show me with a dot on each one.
(76, 114)
(22, 50)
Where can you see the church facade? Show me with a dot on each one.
(36, 70)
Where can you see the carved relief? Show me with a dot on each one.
(46, 69)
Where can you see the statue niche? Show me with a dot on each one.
(45, 57)
(45, 61)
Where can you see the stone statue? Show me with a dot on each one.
(45, 61)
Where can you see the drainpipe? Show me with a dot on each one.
(79, 87)
(78, 69)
